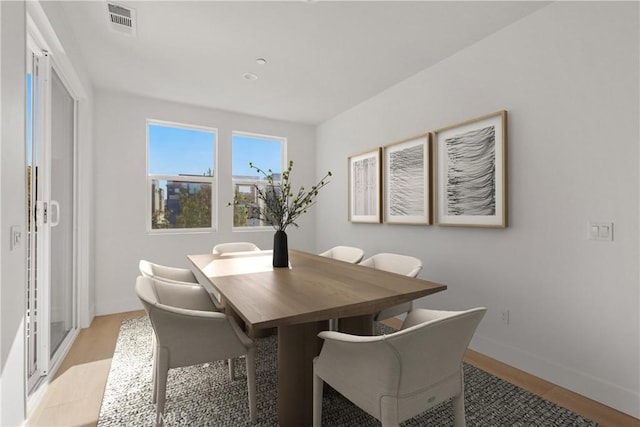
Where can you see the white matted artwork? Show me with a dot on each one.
(407, 181)
(471, 177)
(365, 187)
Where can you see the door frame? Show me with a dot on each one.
(46, 363)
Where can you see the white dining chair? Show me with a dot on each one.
(174, 275)
(181, 276)
(225, 248)
(399, 264)
(344, 253)
(398, 376)
(189, 331)
(171, 274)
(348, 254)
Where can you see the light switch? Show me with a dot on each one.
(602, 231)
(16, 237)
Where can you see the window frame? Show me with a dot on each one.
(211, 180)
(234, 182)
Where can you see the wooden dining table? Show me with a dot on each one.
(299, 301)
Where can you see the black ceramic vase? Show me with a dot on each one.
(280, 249)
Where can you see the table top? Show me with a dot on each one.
(312, 289)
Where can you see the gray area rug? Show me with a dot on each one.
(202, 395)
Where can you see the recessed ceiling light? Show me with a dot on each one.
(250, 76)
(261, 61)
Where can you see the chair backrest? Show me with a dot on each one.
(171, 274)
(224, 248)
(431, 350)
(394, 263)
(344, 253)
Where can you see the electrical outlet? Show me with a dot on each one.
(505, 317)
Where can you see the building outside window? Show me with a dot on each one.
(181, 176)
(265, 152)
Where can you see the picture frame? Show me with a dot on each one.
(407, 181)
(471, 172)
(365, 187)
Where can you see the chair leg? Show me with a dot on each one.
(154, 372)
(318, 386)
(251, 383)
(458, 405)
(232, 369)
(389, 412)
(161, 381)
(458, 411)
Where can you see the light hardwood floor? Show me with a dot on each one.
(74, 396)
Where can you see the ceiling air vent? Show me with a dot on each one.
(122, 19)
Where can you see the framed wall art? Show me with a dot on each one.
(407, 181)
(471, 172)
(365, 187)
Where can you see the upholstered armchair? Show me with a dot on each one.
(181, 276)
(398, 376)
(168, 274)
(347, 254)
(344, 253)
(224, 248)
(399, 264)
(189, 331)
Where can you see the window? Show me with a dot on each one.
(265, 152)
(181, 176)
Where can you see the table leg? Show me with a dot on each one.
(231, 313)
(251, 332)
(356, 325)
(297, 346)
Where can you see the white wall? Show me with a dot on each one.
(568, 76)
(12, 212)
(121, 239)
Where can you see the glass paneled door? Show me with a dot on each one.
(62, 265)
(51, 303)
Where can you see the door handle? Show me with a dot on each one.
(55, 220)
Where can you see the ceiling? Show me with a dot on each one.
(323, 57)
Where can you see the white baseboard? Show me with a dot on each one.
(608, 394)
(120, 306)
(86, 316)
(92, 314)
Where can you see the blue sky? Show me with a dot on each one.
(179, 151)
(264, 153)
(175, 151)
